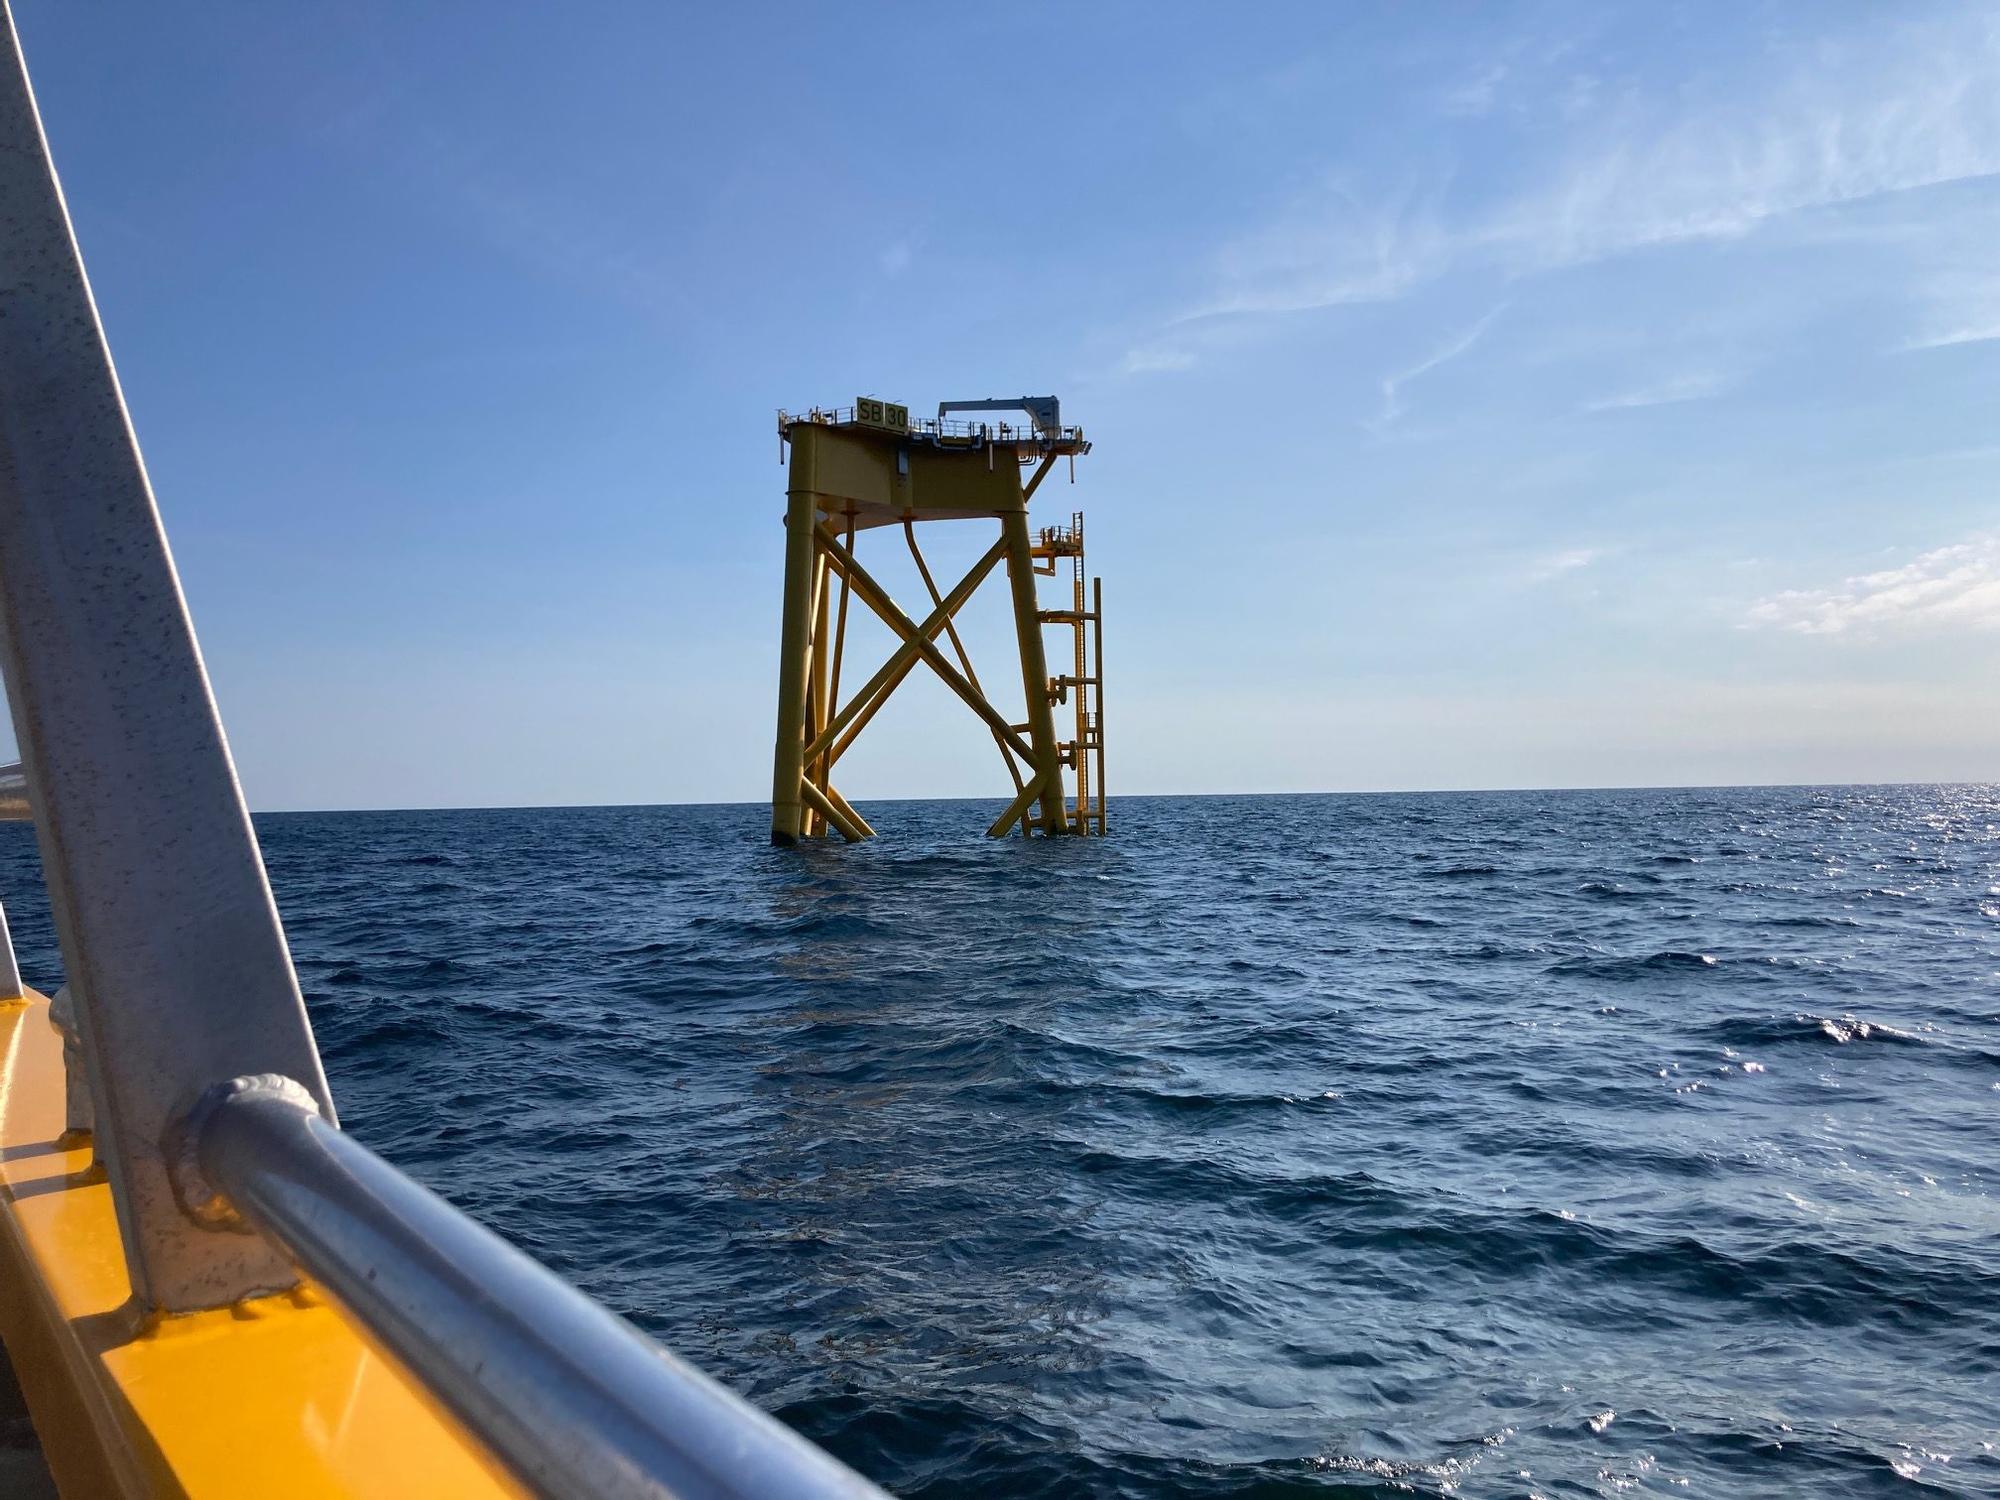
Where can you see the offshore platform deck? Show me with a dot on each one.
(859, 468)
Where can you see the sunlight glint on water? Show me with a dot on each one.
(1536, 1143)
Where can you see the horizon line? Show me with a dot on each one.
(996, 798)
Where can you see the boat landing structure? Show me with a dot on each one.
(867, 466)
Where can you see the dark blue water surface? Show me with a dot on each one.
(1551, 1144)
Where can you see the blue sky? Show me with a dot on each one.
(1528, 395)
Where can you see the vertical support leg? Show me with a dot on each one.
(1081, 747)
(1097, 671)
(821, 678)
(811, 824)
(1034, 669)
(794, 666)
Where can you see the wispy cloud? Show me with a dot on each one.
(1393, 404)
(1954, 588)
(1478, 93)
(1531, 71)
(1959, 333)
(1963, 299)
(1891, 108)
(1891, 111)
(1569, 560)
(895, 259)
(1331, 247)
(1693, 386)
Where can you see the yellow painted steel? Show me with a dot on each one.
(818, 772)
(856, 470)
(872, 594)
(850, 721)
(823, 805)
(840, 806)
(1034, 670)
(794, 662)
(957, 643)
(1023, 800)
(1083, 686)
(1097, 689)
(280, 1396)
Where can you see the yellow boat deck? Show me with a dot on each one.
(276, 1396)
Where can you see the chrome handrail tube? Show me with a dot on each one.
(570, 1398)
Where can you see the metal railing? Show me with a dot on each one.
(573, 1400)
(207, 1104)
(949, 429)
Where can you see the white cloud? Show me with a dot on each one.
(1959, 333)
(1887, 112)
(1964, 299)
(1329, 248)
(1894, 107)
(1393, 405)
(1567, 561)
(1954, 588)
(895, 259)
(1477, 94)
(1695, 386)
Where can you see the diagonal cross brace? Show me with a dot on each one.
(1019, 806)
(864, 703)
(957, 645)
(877, 598)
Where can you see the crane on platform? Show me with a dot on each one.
(1044, 411)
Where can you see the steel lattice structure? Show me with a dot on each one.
(869, 466)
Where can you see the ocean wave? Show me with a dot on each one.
(1666, 961)
(1248, 1152)
(1806, 1026)
(1608, 890)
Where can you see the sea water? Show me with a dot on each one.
(1513, 1144)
